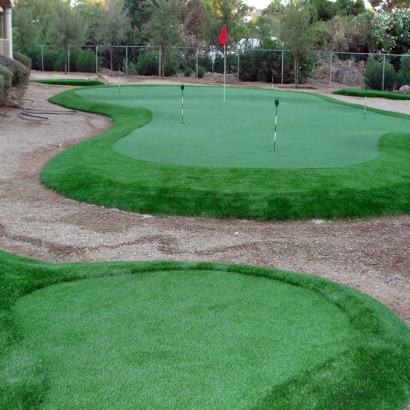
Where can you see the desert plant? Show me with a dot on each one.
(6, 79)
(147, 64)
(201, 71)
(188, 71)
(374, 77)
(403, 76)
(23, 59)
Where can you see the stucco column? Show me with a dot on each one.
(7, 32)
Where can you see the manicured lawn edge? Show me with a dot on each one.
(374, 375)
(74, 82)
(91, 172)
(359, 92)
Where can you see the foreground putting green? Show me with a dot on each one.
(173, 335)
(239, 133)
(93, 172)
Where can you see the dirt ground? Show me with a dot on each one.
(372, 255)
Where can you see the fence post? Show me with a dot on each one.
(384, 65)
(68, 59)
(196, 64)
(239, 58)
(281, 81)
(159, 62)
(126, 59)
(96, 59)
(330, 68)
(42, 57)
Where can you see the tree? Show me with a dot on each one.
(112, 26)
(165, 28)
(68, 29)
(195, 22)
(296, 32)
(229, 12)
(25, 30)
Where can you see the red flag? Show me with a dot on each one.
(223, 37)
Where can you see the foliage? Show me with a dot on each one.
(68, 29)
(25, 29)
(3, 86)
(112, 27)
(195, 22)
(23, 59)
(19, 77)
(147, 63)
(374, 74)
(296, 32)
(201, 71)
(83, 60)
(165, 29)
(403, 76)
(188, 71)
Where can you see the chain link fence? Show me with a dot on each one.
(376, 71)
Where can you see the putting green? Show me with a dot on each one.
(311, 132)
(178, 340)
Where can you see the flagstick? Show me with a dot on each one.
(224, 69)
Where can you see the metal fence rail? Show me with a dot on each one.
(329, 67)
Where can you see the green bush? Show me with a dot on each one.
(23, 59)
(6, 78)
(47, 60)
(147, 64)
(188, 71)
(403, 76)
(83, 60)
(373, 75)
(265, 65)
(201, 71)
(20, 72)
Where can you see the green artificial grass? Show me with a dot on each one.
(176, 335)
(239, 133)
(359, 92)
(92, 172)
(75, 82)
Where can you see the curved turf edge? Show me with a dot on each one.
(91, 172)
(374, 375)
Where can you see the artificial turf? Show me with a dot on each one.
(74, 82)
(239, 133)
(168, 335)
(92, 172)
(360, 92)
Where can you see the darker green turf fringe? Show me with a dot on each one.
(74, 82)
(373, 375)
(360, 92)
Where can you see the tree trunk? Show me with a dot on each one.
(111, 53)
(296, 69)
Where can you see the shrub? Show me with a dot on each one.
(147, 64)
(46, 59)
(20, 77)
(23, 59)
(373, 75)
(83, 60)
(2, 91)
(403, 76)
(188, 71)
(6, 79)
(201, 71)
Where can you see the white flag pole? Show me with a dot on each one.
(224, 69)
